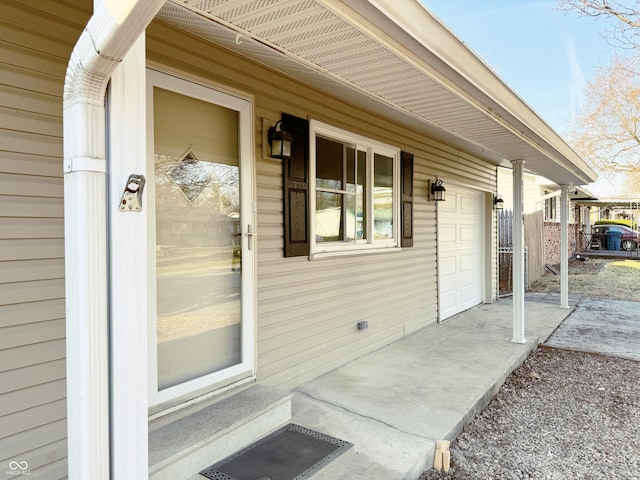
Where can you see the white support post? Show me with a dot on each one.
(518, 253)
(128, 268)
(564, 246)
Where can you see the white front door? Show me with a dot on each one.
(201, 251)
(460, 250)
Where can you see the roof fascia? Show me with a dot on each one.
(420, 35)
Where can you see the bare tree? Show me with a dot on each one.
(606, 127)
(624, 32)
(632, 183)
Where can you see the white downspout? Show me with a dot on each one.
(564, 246)
(109, 34)
(518, 253)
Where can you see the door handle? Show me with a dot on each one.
(250, 236)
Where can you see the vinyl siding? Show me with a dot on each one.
(532, 190)
(308, 310)
(36, 39)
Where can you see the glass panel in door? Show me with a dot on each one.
(198, 239)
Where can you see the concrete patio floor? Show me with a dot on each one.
(609, 327)
(395, 403)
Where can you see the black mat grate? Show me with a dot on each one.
(290, 453)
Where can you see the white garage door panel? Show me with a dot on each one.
(460, 250)
(468, 289)
(449, 296)
(468, 233)
(450, 205)
(468, 264)
(449, 266)
(448, 233)
(469, 205)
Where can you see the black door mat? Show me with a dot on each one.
(290, 453)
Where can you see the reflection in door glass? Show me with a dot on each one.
(198, 253)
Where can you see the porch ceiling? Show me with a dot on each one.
(394, 59)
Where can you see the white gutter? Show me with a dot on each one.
(500, 101)
(423, 39)
(109, 34)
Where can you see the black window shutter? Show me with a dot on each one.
(296, 188)
(406, 223)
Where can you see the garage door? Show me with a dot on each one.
(460, 250)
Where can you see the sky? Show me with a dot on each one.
(544, 55)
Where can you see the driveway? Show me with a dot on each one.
(610, 327)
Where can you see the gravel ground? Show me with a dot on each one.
(562, 414)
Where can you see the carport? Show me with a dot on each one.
(603, 207)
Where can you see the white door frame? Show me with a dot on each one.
(129, 260)
(159, 400)
(127, 238)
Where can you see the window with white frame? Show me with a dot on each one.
(550, 209)
(355, 191)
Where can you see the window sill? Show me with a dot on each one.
(351, 252)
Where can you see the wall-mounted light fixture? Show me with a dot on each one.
(437, 190)
(280, 141)
(498, 202)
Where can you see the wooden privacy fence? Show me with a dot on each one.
(534, 240)
(534, 248)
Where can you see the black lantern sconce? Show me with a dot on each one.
(437, 190)
(280, 141)
(498, 202)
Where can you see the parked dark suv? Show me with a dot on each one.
(603, 237)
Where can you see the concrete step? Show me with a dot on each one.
(380, 451)
(188, 445)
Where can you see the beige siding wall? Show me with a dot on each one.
(36, 39)
(308, 310)
(531, 190)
